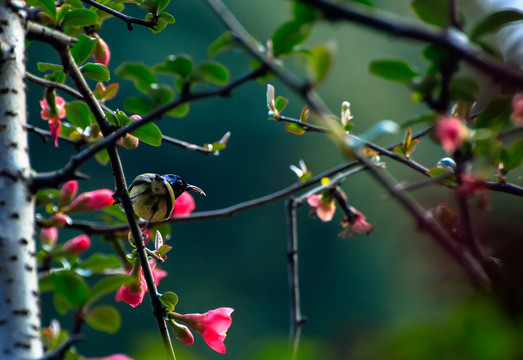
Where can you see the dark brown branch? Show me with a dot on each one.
(129, 20)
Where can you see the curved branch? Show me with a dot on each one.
(129, 20)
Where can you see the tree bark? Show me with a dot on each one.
(19, 296)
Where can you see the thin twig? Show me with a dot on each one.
(129, 20)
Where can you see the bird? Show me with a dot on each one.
(153, 195)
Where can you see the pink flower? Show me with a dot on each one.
(324, 208)
(53, 116)
(183, 205)
(356, 225)
(112, 357)
(68, 192)
(451, 133)
(517, 109)
(49, 236)
(77, 245)
(101, 52)
(133, 294)
(212, 326)
(93, 200)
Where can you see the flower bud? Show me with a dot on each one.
(59, 220)
(128, 141)
(49, 236)
(93, 200)
(68, 192)
(77, 245)
(182, 332)
(101, 52)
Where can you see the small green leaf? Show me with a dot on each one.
(290, 34)
(393, 70)
(513, 156)
(180, 111)
(162, 4)
(77, 113)
(80, 17)
(149, 133)
(47, 196)
(496, 115)
(71, 287)
(139, 105)
(161, 93)
(294, 128)
(213, 72)
(280, 103)
(137, 73)
(48, 7)
(225, 42)
(304, 12)
(104, 318)
(96, 72)
(169, 300)
(161, 23)
(108, 285)
(102, 157)
(83, 48)
(320, 62)
(494, 22)
(42, 67)
(434, 12)
(121, 118)
(177, 65)
(447, 178)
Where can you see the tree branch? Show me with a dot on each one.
(129, 20)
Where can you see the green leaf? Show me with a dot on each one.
(464, 89)
(181, 65)
(48, 7)
(213, 72)
(169, 299)
(320, 62)
(162, 4)
(495, 21)
(447, 177)
(365, 2)
(83, 48)
(61, 304)
(436, 54)
(161, 23)
(71, 287)
(225, 42)
(161, 93)
(393, 70)
(496, 115)
(57, 76)
(104, 318)
(96, 72)
(80, 17)
(434, 12)
(121, 118)
(180, 111)
(149, 133)
(294, 128)
(290, 34)
(513, 156)
(102, 157)
(280, 103)
(77, 112)
(42, 67)
(304, 12)
(108, 285)
(139, 105)
(137, 73)
(98, 263)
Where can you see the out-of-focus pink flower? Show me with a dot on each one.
(356, 225)
(128, 141)
(324, 208)
(49, 236)
(451, 133)
(212, 326)
(183, 205)
(101, 52)
(182, 332)
(92, 200)
(112, 357)
(517, 109)
(77, 245)
(471, 186)
(68, 192)
(133, 294)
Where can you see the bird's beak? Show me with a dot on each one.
(195, 189)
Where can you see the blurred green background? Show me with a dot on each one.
(353, 290)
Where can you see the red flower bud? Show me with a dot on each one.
(93, 200)
(133, 294)
(183, 205)
(451, 133)
(182, 332)
(68, 192)
(59, 220)
(77, 245)
(101, 52)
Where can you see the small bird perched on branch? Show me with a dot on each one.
(153, 195)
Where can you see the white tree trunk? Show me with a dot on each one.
(19, 296)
